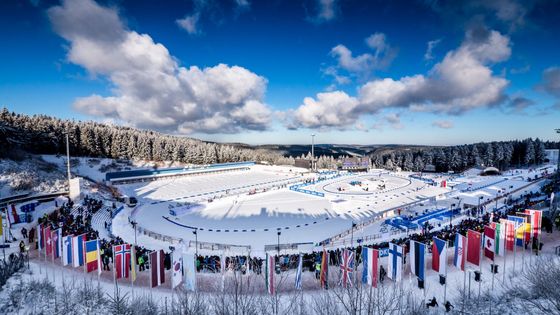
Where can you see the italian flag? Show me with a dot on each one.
(500, 238)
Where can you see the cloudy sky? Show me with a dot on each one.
(360, 72)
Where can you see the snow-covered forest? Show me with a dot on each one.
(503, 154)
(42, 134)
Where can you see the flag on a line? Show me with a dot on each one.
(474, 241)
(417, 259)
(157, 273)
(177, 267)
(122, 260)
(371, 266)
(347, 267)
(78, 250)
(460, 251)
(396, 254)
(299, 272)
(56, 243)
(269, 273)
(489, 242)
(439, 256)
(92, 256)
(324, 277)
(67, 250)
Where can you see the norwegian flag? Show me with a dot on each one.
(122, 260)
(347, 267)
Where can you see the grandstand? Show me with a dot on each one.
(142, 175)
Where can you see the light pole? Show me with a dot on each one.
(278, 247)
(195, 232)
(68, 158)
(478, 210)
(313, 152)
(558, 159)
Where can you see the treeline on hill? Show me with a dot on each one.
(503, 155)
(40, 134)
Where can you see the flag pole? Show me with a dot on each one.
(524, 249)
(480, 268)
(465, 249)
(114, 268)
(505, 225)
(445, 286)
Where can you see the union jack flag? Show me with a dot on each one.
(347, 267)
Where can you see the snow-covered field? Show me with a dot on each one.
(235, 217)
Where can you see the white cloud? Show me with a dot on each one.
(431, 46)
(327, 10)
(330, 109)
(149, 88)
(361, 65)
(462, 81)
(551, 81)
(443, 124)
(189, 23)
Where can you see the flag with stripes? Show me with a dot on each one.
(460, 251)
(269, 273)
(67, 250)
(536, 221)
(299, 272)
(56, 243)
(157, 271)
(418, 259)
(78, 250)
(324, 277)
(370, 272)
(92, 256)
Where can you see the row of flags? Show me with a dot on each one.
(496, 239)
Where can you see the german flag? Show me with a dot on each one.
(93, 259)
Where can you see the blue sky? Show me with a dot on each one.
(357, 72)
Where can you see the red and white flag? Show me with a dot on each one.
(510, 234)
(122, 260)
(460, 251)
(474, 240)
(536, 219)
(156, 267)
(48, 241)
(347, 267)
(489, 242)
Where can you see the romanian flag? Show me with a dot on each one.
(93, 258)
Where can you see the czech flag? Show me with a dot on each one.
(93, 258)
(439, 255)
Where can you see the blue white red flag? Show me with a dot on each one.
(460, 251)
(370, 273)
(439, 255)
(67, 250)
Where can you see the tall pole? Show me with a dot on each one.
(68, 158)
(558, 160)
(313, 152)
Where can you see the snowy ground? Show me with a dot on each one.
(242, 219)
